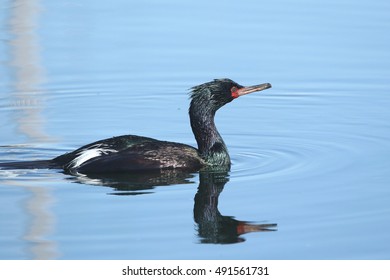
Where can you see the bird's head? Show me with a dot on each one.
(215, 94)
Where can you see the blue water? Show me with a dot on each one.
(310, 155)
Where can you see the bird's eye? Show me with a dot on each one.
(234, 92)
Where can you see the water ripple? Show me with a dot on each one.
(288, 157)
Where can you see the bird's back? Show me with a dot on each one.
(130, 153)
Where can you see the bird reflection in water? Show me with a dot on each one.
(212, 226)
(134, 183)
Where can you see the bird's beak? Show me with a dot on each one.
(250, 89)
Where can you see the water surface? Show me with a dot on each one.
(310, 156)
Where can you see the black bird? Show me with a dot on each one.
(131, 153)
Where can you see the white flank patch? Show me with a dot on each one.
(90, 153)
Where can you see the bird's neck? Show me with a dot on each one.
(211, 146)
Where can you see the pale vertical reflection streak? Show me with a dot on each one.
(41, 223)
(28, 102)
(28, 73)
